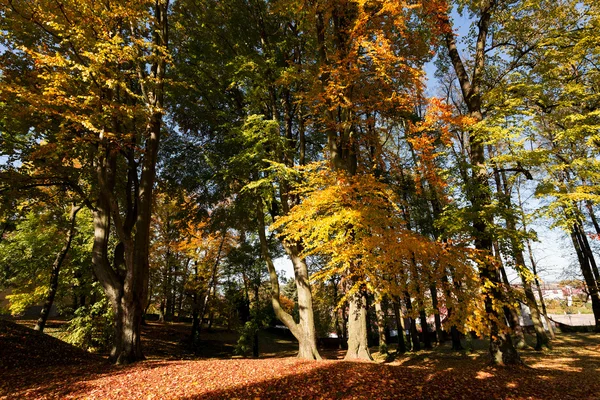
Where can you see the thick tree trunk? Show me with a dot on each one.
(125, 282)
(358, 347)
(399, 326)
(128, 322)
(60, 257)
(304, 331)
(502, 350)
(455, 335)
(381, 323)
(308, 347)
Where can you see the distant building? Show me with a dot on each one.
(554, 291)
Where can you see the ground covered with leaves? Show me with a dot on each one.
(34, 365)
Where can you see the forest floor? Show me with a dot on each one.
(34, 365)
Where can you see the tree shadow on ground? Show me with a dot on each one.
(33, 365)
(429, 380)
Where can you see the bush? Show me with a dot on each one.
(92, 327)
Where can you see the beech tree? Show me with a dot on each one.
(502, 350)
(97, 70)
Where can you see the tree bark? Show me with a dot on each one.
(438, 321)
(414, 334)
(510, 312)
(304, 331)
(588, 276)
(60, 257)
(425, 329)
(358, 347)
(381, 322)
(399, 326)
(502, 350)
(125, 282)
(454, 332)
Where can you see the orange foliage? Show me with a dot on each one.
(356, 223)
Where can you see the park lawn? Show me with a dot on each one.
(38, 366)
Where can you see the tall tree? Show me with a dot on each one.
(56, 266)
(97, 70)
(502, 350)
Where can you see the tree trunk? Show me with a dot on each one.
(438, 321)
(414, 334)
(125, 282)
(169, 290)
(339, 316)
(358, 347)
(519, 261)
(41, 322)
(425, 329)
(540, 334)
(399, 326)
(383, 349)
(510, 312)
(454, 332)
(255, 352)
(502, 350)
(308, 347)
(455, 335)
(128, 321)
(161, 311)
(588, 276)
(587, 251)
(195, 320)
(304, 331)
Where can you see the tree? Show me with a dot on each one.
(502, 350)
(56, 266)
(354, 223)
(97, 72)
(256, 115)
(549, 99)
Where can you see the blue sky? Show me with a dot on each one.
(553, 252)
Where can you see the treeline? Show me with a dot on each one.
(203, 140)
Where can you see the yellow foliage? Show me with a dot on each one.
(356, 223)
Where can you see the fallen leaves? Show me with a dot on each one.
(443, 376)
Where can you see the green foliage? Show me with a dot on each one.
(91, 328)
(259, 318)
(28, 251)
(244, 343)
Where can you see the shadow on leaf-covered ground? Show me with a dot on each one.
(34, 365)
